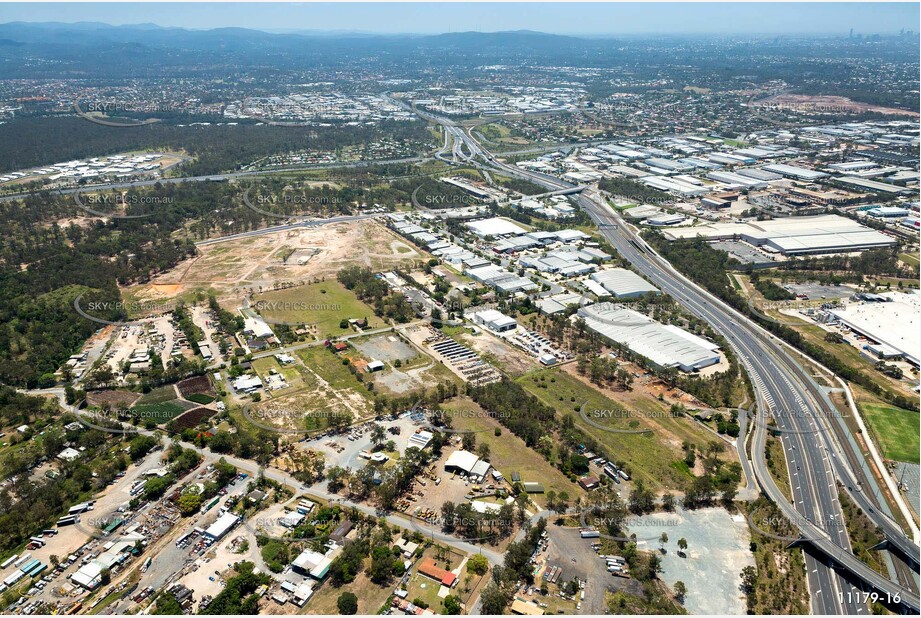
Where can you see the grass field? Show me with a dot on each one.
(649, 456)
(846, 353)
(324, 304)
(895, 430)
(910, 258)
(158, 395)
(508, 453)
(330, 368)
(371, 597)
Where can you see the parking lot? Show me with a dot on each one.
(745, 253)
(576, 557)
(818, 291)
(343, 449)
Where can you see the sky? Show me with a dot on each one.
(430, 17)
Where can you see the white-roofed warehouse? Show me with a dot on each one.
(665, 346)
(623, 283)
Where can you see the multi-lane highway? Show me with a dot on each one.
(786, 393)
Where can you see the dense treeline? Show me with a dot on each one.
(29, 505)
(769, 289)
(874, 263)
(525, 415)
(525, 187)
(216, 148)
(46, 265)
(708, 266)
(44, 269)
(633, 191)
(373, 290)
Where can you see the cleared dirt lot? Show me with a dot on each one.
(235, 268)
(717, 552)
(387, 347)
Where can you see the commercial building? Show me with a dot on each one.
(730, 178)
(623, 284)
(673, 185)
(495, 227)
(420, 439)
(559, 302)
(500, 279)
(793, 171)
(495, 320)
(794, 235)
(664, 345)
(895, 323)
(888, 212)
(89, 576)
(246, 384)
(312, 563)
(467, 462)
(222, 526)
(664, 220)
(873, 185)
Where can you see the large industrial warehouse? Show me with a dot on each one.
(894, 323)
(664, 345)
(623, 284)
(794, 235)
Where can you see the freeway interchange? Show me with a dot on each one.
(806, 420)
(818, 447)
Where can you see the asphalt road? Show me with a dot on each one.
(784, 388)
(780, 387)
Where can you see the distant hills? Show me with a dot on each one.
(83, 33)
(104, 50)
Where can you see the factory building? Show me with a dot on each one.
(856, 182)
(495, 321)
(794, 235)
(795, 172)
(895, 323)
(664, 345)
(623, 284)
(495, 227)
(468, 463)
(224, 524)
(738, 180)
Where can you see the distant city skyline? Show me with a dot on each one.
(435, 18)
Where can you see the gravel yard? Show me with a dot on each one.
(717, 552)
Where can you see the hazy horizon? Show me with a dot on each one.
(435, 18)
